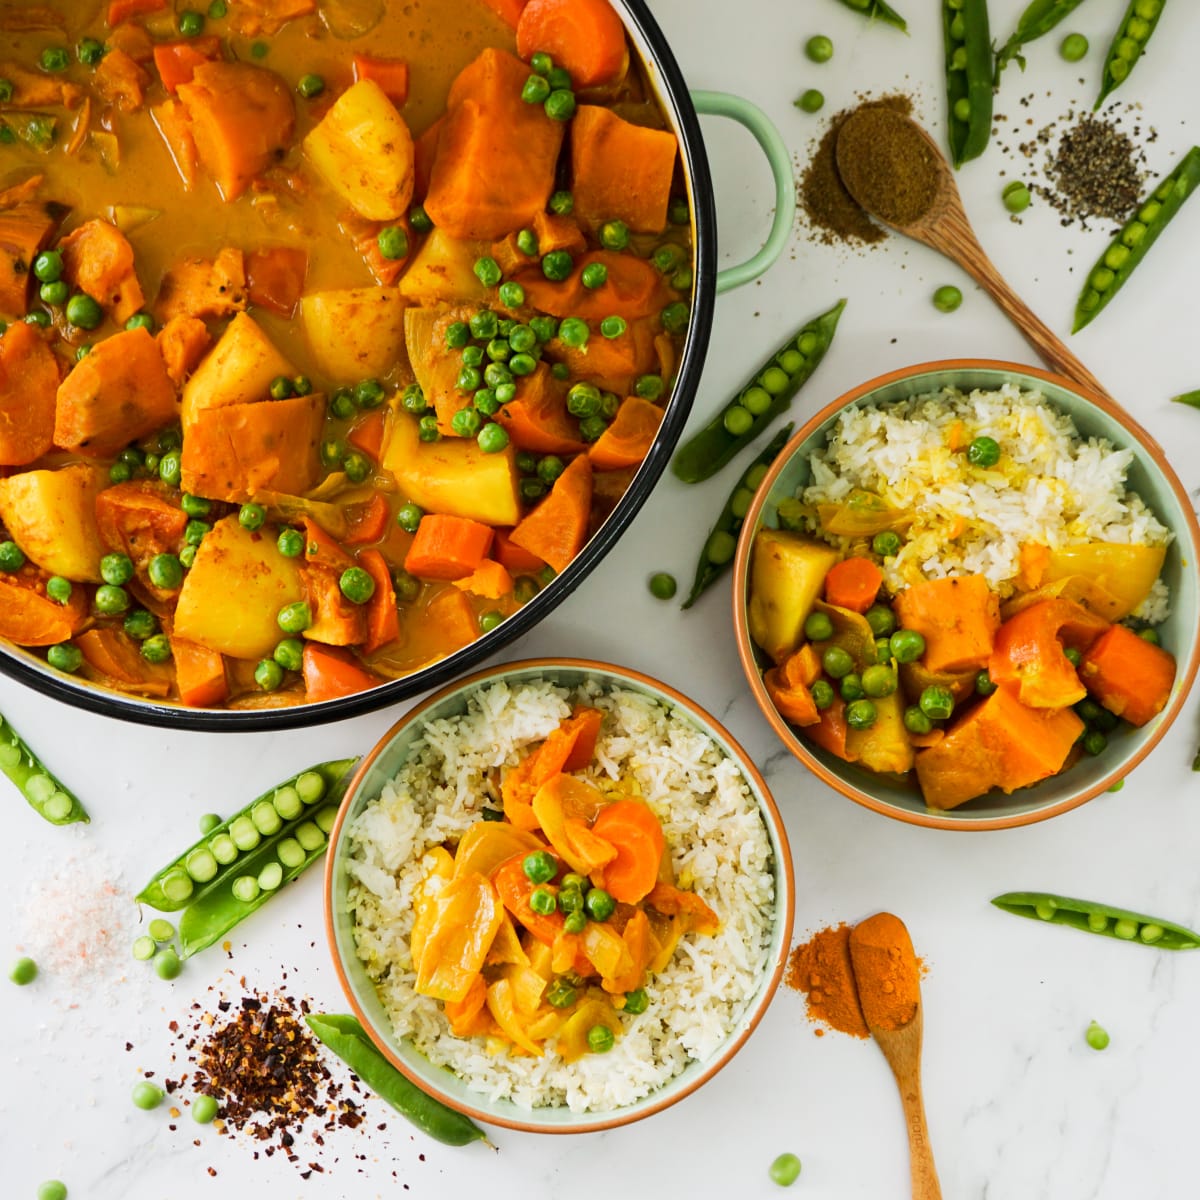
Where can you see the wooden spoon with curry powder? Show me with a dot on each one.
(889, 990)
(895, 171)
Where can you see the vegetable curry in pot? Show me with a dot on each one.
(330, 331)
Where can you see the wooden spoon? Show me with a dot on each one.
(896, 1027)
(864, 154)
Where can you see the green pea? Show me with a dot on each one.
(878, 681)
(357, 466)
(512, 294)
(1149, 635)
(1045, 910)
(59, 589)
(52, 1189)
(907, 645)
(166, 572)
(23, 971)
(861, 714)
(545, 329)
(147, 1095)
(881, 620)
(487, 271)
(356, 585)
(561, 994)
(170, 468)
(1133, 235)
(600, 1039)
(110, 600)
(156, 649)
(947, 298)
(593, 276)
(575, 922)
(12, 557)
(738, 420)
(675, 317)
(822, 694)
(65, 657)
(599, 904)
(1097, 922)
(614, 235)
(983, 452)
(1096, 1036)
(204, 1109)
(140, 624)
(295, 617)
(542, 901)
(48, 266)
(120, 472)
(550, 468)
(560, 105)
(720, 547)
(1073, 47)
(54, 293)
(1016, 197)
(983, 684)
(573, 332)
(38, 317)
(490, 620)
(191, 23)
(937, 703)
(818, 627)
(785, 1170)
(418, 219)
(246, 889)
(810, 100)
(915, 721)
(1102, 279)
(55, 58)
(558, 265)
(83, 312)
(1095, 742)
(1151, 932)
(562, 204)
(540, 866)
(819, 48)
(663, 585)
(290, 543)
(217, 10)
(838, 663)
(392, 240)
(962, 109)
(850, 687)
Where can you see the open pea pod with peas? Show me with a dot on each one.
(1102, 919)
(1129, 44)
(765, 396)
(1136, 237)
(878, 10)
(46, 795)
(969, 88)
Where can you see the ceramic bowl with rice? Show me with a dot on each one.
(439, 788)
(1032, 550)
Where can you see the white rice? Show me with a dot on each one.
(718, 843)
(1050, 486)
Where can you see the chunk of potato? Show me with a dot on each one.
(51, 515)
(1127, 573)
(453, 475)
(443, 272)
(885, 746)
(787, 572)
(237, 370)
(354, 333)
(365, 152)
(233, 593)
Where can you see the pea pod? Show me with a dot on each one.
(876, 10)
(719, 546)
(1192, 399)
(1101, 919)
(1136, 237)
(968, 77)
(1037, 20)
(46, 795)
(1128, 44)
(349, 1041)
(218, 854)
(764, 397)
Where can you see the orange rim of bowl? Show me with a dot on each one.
(786, 914)
(799, 747)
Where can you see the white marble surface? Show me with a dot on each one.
(1019, 1107)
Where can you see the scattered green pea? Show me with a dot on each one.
(1016, 196)
(23, 971)
(1097, 1036)
(147, 1095)
(785, 1170)
(810, 101)
(52, 1189)
(204, 1109)
(1073, 47)
(947, 298)
(663, 585)
(819, 48)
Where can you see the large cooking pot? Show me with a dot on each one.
(682, 109)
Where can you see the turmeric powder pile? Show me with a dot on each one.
(880, 985)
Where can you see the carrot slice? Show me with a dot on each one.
(489, 579)
(853, 583)
(447, 547)
(390, 73)
(515, 559)
(383, 619)
(330, 674)
(629, 438)
(275, 278)
(368, 521)
(199, 674)
(509, 11)
(584, 36)
(366, 434)
(123, 10)
(631, 827)
(557, 529)
(177, 61)
(1128, 675)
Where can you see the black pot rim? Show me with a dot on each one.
(26, 669)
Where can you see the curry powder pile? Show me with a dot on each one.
(821, 969)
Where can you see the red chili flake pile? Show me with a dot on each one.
(257, 1059)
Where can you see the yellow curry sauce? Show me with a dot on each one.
(268, 276)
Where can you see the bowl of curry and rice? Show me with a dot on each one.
(966, 595)
(559, 896)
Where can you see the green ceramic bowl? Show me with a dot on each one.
(1150, 476)
(383, 763)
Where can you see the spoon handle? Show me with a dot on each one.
(925, 1185)
(956, 240)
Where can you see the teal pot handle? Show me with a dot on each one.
(751, 117)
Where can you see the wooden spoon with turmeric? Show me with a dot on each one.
(889, 991)
(895, 171)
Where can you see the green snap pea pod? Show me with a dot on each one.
(277, 861)
(1128, 44)
(349, 1041)
(1192, 399)
(968, 77)
(45, 794)
(1037, 20)
(717, 555)
(877, 10)
(221, 853)
(1101, 919)
(1137, 235)
(764, 397)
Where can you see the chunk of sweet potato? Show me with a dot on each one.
(98, 259)
(51, 515)
(199, 287)
(28, 617)
(26, 227)
(182, 341)
(958, 618)
(137, 518)
(236, 586)
(1130, 676)
(241, 119)
(28, 386)
(120, 392)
